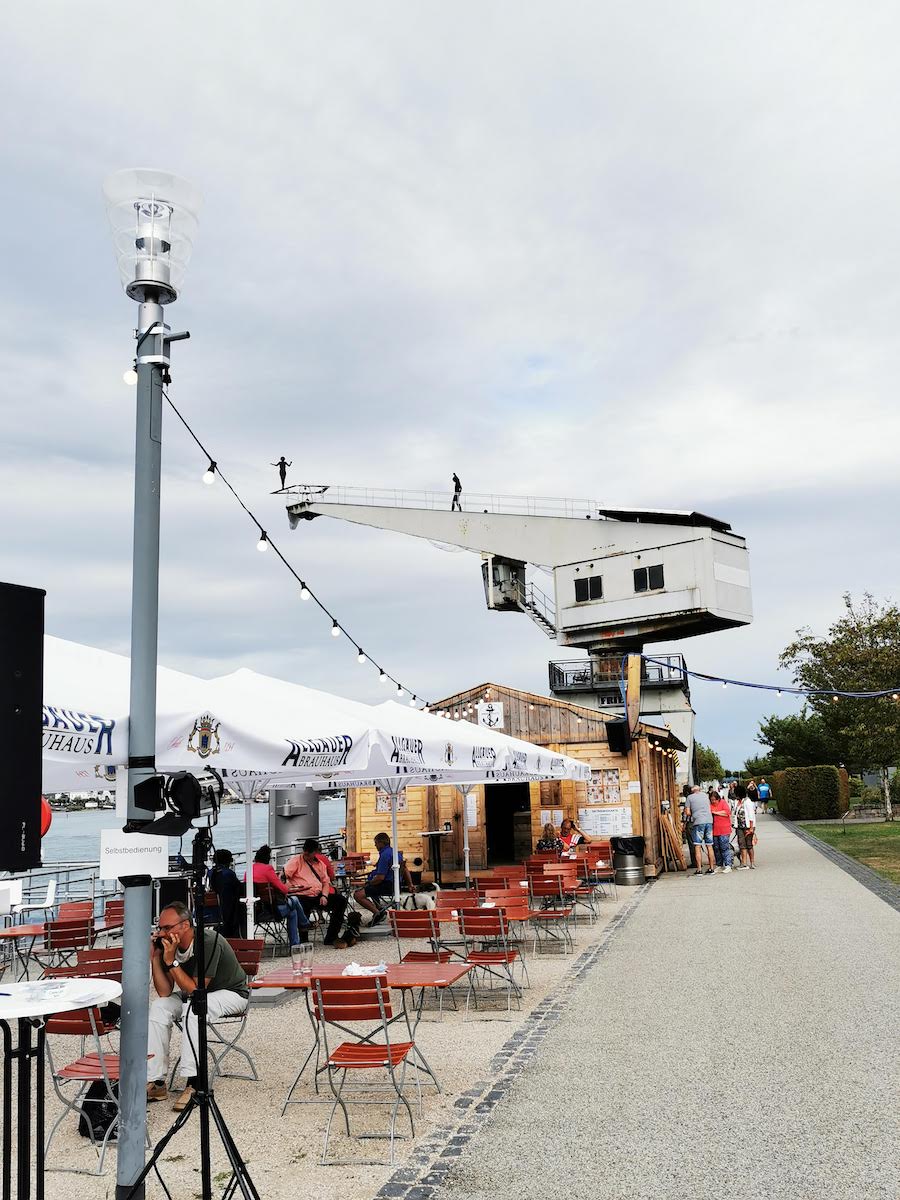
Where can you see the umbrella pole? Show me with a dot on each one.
(248, 840)
(464, 789)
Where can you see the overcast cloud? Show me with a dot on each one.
(643, 253)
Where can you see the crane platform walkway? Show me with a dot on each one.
(325, 494)
(738, 1039)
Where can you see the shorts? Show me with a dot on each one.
(745, 838)
(701, 834)
(375, 890)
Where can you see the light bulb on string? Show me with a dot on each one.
(130, 377)
(263, 544)
(382, 677)
(412, 702)
(304, 591)
(360, 657)
(400, 691)
(895, 696)
(834, 699)
(778, 693)
(335, 629)
(724, 683)
(209, 475)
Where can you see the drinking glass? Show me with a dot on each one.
(301, 959)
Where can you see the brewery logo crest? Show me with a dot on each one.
(204, 738)
(449, 755)
(106, 773)
(518, 760)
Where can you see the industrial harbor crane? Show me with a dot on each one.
(621, 578)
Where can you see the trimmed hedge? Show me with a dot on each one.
(811, 793)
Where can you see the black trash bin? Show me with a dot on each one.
(628, 860)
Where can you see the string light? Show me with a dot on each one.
(265, 541)
(400, 691)
(130, 377)
(412, 702)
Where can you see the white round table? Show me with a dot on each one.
(27, 1004)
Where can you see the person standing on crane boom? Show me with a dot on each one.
(282, 466)
(457, 492)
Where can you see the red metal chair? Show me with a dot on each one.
(105, 963)
(63, 940)
(550, 912)
(98, 1065)
(421, 925)
(490, 952)
(361, 998)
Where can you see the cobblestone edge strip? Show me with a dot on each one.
(426, 1169)
(871, 880)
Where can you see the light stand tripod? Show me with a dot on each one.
(202, 1100)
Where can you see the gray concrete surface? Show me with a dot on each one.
(738, 1039)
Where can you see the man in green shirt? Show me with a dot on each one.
(174, 971)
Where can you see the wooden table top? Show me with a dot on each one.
(399, 975)
(17, 931)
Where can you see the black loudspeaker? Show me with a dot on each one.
(171, 888)
(619, 736)
(21, 719)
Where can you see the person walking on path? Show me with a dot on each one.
(455, 505)
(698, 814)
(282, 466)
(745, 821)
(764, 792)
(753, 792)
(721, 830)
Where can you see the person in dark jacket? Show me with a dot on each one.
(224, 882)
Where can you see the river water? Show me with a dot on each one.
(75, 836)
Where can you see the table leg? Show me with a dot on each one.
(39, 1113)
(23, 1109)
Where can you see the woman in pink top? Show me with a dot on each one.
(288, 906)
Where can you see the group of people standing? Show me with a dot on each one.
(711, 819)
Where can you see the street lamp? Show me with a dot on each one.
(153, 216)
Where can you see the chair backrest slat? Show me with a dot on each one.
(352, 998)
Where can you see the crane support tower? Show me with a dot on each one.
(621, 578)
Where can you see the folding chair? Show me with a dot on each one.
(63, 940)
(97, 1065)
(74, 910)
(574, 891)
(597, 872)
(112, 922)
(267, 917)
(105, 963)
(249, 952)
(488, 951)
(516, 903)
(421, 925)
(361, 998)
(549, 913)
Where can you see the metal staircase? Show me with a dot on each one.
(539, 607)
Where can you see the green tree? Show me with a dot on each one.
(861, 652)
(799, 740)
(709, 765)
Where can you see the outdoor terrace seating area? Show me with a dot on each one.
(360, 1066)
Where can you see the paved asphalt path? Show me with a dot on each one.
(739, 1039)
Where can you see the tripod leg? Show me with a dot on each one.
(240, 1177)
(160, 1146)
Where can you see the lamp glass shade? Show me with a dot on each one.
(153, 216)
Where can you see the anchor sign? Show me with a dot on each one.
(490, 714)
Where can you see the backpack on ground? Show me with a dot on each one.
(98, 1112)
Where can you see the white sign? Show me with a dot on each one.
(132, 854)
(490, 714)
(552, 816)
(612, 820)
(634, 786)
(472, 810)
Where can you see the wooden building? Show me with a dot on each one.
(625, 795)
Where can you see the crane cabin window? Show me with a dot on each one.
(649, 579)
(589, 588)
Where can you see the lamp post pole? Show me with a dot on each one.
(153, 215)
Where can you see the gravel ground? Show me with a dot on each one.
(283, 1152)
(738, 1039)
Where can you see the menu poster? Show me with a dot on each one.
(472, 810)
(383, 802)
(609, 821)
(552, 816)
(605, 787)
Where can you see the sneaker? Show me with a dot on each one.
(157, 1091)
(183, 1100)
(741, 867)
(697, 874)
(751, 867)
(381, 915)
(726, 870)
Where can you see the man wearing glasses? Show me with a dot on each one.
(174, 976)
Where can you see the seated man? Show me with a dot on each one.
(223, 881)
(380, 882)
(309, 875)
(288, 906)
(173, 967)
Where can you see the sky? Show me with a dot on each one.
(646, 254)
